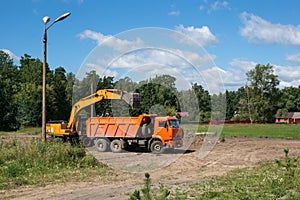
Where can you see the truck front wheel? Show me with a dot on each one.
(102, 145)
(86, 141)
(156, 147)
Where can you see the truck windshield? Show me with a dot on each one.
(174, 123)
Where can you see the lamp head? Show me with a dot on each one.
(62, 17)
(46, 19)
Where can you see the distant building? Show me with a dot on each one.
(290, 118)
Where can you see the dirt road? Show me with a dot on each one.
(168, 169)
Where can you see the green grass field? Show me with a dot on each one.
(27, 130)
(291, 131)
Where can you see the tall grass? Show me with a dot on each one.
(37, 162)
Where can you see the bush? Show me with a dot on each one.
(29, 163)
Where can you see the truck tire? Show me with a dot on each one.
(116, 146)
(102, 145)
(86, 141)
(156, 147)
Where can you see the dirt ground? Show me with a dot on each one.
(173, 169)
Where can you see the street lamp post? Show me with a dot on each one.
(46, 19)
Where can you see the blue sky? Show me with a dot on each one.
(236, 35)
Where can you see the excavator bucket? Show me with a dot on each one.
(133, 99)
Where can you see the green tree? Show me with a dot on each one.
(203, 97)
(232, 101)
(31, 70)
(281, 113)
(70, 81)
(197, 102)
(29, 100)
(218, 106)
(58, 108)
(189, 104)
(289, 99)
(105, 107)
(8, 84)
(86, 86)
(244, 105)
(263, 92)
(126, 84)
(159, 94)
(29, 96)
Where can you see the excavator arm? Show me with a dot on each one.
(132, 99)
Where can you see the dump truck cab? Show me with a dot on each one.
(167, 134)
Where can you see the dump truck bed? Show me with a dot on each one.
(116, 127)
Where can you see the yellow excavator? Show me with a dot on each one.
(68, 131)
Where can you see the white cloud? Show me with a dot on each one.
(202, 36)
(174, 13)
(145, 63)
(180, 64)
(111, 41)
(136, 59)
(13, 56)
(242, 64)
(100, 69)
(293, 57)
(287, 73)
(163, 57)
(256, 30)
(98, 37)
(293, 83)
(218, 5)
(235, 77)
(213, 80)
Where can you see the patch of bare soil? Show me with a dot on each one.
(176, 168)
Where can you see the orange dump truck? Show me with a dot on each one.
(149, 131)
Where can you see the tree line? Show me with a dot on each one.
(21, 95)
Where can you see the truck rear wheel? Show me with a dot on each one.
(116, 146)
(102, 145)
(156, 147)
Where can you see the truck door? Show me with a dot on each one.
(161, 129)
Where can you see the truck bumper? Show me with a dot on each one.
(174, 144)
